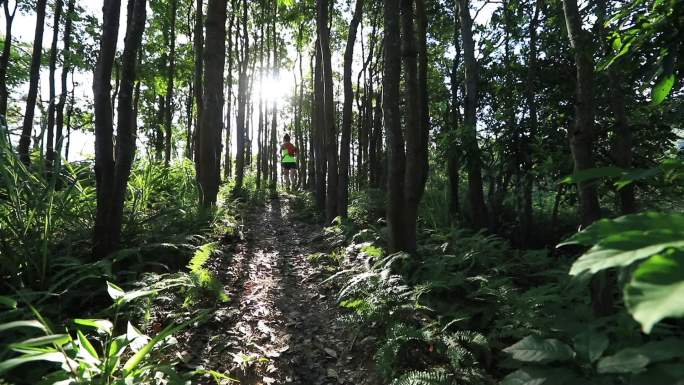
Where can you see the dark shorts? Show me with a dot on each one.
(289, 166)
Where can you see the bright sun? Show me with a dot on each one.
(276, 89)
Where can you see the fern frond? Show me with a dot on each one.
(432, 377)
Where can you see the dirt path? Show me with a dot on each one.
(282, 325)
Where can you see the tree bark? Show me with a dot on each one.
(50, 148)
(104, 240)
(275, 153)
(27, 126)
(582, 133)
(453, 150)
(212, 115)
(66, 67)
(227, 161)
(242, 104)
(392, 124)
(331, 209)
(6, 53)
(526, 220)
(126, 115)
(168, 118)
(198, 43)
(343, 194)
(478, 208)
(582, 136)
(319, 130)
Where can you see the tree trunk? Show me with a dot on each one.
(27, 126)
(104, 239)
(322, 19)
(212, 115)
(582, 136)
(453, 151)
(526, 221)
(228, 160)
(319, 130)
(66, 67)
(343, 194)
(6, 53)
(168, 118)
(126, 116)
(478, 208)
(275, 153)
(198, 43)
(242, 104)
(392, 124)
(50, 148)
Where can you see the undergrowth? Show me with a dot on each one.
(468, 308)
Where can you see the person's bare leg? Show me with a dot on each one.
(286, 178)
(293, 177)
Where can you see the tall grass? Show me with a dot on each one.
(38, 215)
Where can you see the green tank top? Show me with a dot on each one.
(287, 158)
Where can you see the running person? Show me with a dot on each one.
(289, 162)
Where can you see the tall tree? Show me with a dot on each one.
(345, 142)
(227, 160)
(582, 135)
(126, 117)
(198, 43)
(104, 157)
(66, 68)
(49, 156)
(212, 115)
(168, 117)
(242, 103)
(453, 156)
(27, 126)
(392, 123)
(112, 174)
(478, 208)
(6, 52)
(322, 19)
(530, 91)
(583, 132)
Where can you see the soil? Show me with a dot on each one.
(282, 324)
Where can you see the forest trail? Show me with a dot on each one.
(281, 326)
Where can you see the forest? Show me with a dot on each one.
(404, 192)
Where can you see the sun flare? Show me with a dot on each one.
(275, 89)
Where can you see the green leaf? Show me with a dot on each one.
(535, 349)
(115, 291)
(99, 324)
(8, 302)
(647, 221)
(131, 295)
(656, 290)
(637, 174)
(625, 240)
(57, 339)
(624, 361)
(593, 173)
(590, 345)
(662, 88)
(26, 358)
(540, 376)
(622, 250)
(138, 357)
(87, 349)
(22, 324)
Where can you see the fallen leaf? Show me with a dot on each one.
(330, 352)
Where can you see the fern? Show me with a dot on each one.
(432, 377)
